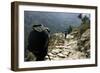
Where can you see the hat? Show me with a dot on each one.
(39, 27)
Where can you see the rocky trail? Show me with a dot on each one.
(67, 50)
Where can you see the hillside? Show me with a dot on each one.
(76, 45)
(69, 48)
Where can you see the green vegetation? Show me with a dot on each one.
(84, 25)
(69, 29)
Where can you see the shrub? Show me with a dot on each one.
(69, 30)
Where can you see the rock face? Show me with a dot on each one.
(84, 43)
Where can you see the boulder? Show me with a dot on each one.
(70, 36)
(86, 35)
(56, 51)
(61, 55)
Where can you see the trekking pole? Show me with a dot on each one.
(49, 57)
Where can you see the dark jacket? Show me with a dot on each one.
(38, 43)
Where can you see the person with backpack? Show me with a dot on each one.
(38, 41)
